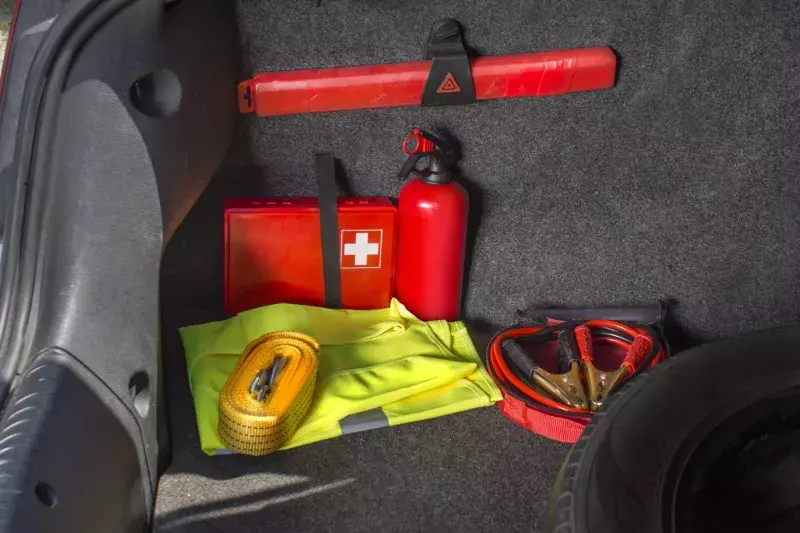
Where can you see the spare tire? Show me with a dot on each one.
(706, 441)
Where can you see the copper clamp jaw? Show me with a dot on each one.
(565, 387)
(578, 383)
(600, 382)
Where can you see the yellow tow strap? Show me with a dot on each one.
(268, 394)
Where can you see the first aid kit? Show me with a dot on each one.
(274, 253)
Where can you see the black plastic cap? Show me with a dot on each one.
(440, 174)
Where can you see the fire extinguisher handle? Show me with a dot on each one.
(416, 145)
(419, 144)
(410, 166)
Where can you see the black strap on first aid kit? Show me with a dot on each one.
(329, 229)
(450, 78)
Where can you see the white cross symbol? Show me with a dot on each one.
(362, 249)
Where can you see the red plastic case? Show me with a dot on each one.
(273, 253)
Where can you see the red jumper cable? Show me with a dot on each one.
(560, 405)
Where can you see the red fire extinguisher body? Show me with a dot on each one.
(432, 230)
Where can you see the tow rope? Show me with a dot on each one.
(269, 392)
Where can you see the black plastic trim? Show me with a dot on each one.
(61, 436)
(24, 217)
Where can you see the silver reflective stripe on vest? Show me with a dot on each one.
(374, 418)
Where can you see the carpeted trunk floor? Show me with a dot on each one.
(679, 183)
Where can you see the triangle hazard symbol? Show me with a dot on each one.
(449, 85)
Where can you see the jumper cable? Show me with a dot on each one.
(570, 393)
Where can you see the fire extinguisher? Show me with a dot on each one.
(432, 229)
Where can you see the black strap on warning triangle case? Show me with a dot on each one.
(450, 78)
(329, 229)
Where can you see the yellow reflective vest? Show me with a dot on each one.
(376, 368)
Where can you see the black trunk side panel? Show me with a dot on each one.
(122, 180)
(68, 455)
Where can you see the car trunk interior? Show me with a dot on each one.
(679, 183)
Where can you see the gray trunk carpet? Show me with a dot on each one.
(679, 183)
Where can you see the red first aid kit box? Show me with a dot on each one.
(273, 253)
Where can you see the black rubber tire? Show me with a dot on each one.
(706, 441)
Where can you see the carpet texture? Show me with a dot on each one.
(680, 183)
